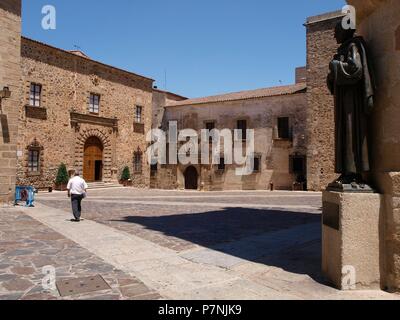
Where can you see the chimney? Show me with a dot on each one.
(301, 75)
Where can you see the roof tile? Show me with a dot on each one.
(244, 95)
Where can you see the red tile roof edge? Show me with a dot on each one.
(245, 95)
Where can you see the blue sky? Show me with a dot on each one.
(204, 46)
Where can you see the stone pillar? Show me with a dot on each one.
(351, 240)
(378, 21)
(321, 47)
(10, 76)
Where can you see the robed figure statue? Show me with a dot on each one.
(350, 80)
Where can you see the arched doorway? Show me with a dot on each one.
(191, 178)
(93, 160)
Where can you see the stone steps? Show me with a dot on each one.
(102, 185)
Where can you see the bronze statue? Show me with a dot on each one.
(350, 80)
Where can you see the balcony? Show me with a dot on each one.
(35, 112)
(138, 128)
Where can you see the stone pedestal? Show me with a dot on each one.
(350, 240)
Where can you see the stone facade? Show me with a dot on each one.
(379, 23)
(321, 46)
(261, 110)
(61, 125)
(166, 176)
(59, 128)
(10, 76)
(160, 100)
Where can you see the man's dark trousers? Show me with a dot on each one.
(76, 200)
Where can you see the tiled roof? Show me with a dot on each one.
(172, 95)
(324, 17)
(245, 95)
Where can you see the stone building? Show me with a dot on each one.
(378, 21)
(10, 77)
(321, 46)
(94, 117)
(83, 113)
(160, 100)
(278, 117)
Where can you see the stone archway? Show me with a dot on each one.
(191, 178)
(94, 145)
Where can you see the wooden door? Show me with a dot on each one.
(92, 155)
(191, 178)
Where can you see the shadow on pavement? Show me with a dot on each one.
(284, 239)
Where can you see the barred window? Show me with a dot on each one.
(257, 164)
(138, 114)
(242, 126)
(210, 126)
(35, 95)
(221, 165)
(94, 103)
(33, 160)
(153, 169)
(137, 161)
(283, 128)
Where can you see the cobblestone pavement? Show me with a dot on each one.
(26, 246)
(182, 220)
(188, 245)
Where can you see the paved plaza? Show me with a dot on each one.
(151, 244)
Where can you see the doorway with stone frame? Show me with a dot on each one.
(191, 178)
(93, 160)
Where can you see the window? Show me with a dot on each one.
(94, 103)
(257, 164)
(283, 128)
(138, 114)
(137, 161)
(35, 95)
(210, 125)
(221, 165)
(153, 170)
(33, 161)
(242, 125)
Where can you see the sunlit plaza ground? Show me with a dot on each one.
(150, 244)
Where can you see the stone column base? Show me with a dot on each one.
(350, 240)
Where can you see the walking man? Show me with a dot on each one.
(77, 192)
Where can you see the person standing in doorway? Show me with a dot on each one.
(77, 188)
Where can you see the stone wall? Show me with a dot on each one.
(379, 23)
(321, 46)
(63, 123)
(160, 100)
(262, 116)
(10, 75)
(165, 177)
(301, 75)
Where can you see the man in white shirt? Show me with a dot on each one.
(77, 192)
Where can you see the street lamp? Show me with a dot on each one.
(5, 93)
